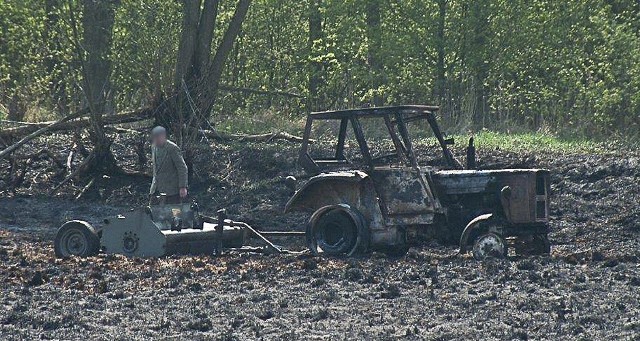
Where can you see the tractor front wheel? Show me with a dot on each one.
(489, 245)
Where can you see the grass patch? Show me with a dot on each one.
(263, 122)
(533, 142)
(525, 143)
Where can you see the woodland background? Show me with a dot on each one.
(561, 67)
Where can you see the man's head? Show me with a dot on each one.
(159, 135)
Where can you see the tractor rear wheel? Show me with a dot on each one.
(76, 238)
(336, 232)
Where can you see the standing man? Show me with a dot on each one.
(169, 168)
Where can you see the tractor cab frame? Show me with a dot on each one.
(395, 120)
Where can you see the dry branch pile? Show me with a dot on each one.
(64, 162)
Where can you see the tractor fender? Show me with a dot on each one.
(328, 189)
(472, 226)
(362, 241)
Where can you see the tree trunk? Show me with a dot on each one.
(197, 76)
(213, 76)
(478, 59)
(206, 27)
(374, 38)
(315, 68)
(173, 118)
(51, 36)
(97, 23)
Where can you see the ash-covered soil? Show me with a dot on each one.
(589, 288)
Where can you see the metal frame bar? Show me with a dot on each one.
(364, 148)
(342, 136)
(400, 148)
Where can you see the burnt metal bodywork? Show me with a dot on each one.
(403, 201)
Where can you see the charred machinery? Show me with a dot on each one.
(370, 199)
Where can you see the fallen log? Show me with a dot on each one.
(40, 131)
(75, 123)
(70, 122)
(267, 137)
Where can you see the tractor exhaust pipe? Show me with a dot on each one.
(471, 154)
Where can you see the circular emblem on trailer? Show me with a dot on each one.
(130, 242)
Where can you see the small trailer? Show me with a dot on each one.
(161, 230)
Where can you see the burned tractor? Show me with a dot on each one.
(382, 198)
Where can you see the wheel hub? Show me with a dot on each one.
(75, 243)
(489, 245)
(333, 235)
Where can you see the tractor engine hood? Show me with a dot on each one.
(478, 181)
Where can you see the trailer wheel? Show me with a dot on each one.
(336, 231)
(489, 245)
(76, 238)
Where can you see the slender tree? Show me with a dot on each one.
(440, 45)
(477, 58)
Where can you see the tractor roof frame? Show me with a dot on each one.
(395, 118)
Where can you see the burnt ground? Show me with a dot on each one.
(589, 288)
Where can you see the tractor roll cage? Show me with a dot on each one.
(395, 118)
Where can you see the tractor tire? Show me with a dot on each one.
(336, 232)
(76, 238)
(488, 245)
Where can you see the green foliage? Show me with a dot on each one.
(20, 51)
(507, 65)
(146, 38)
